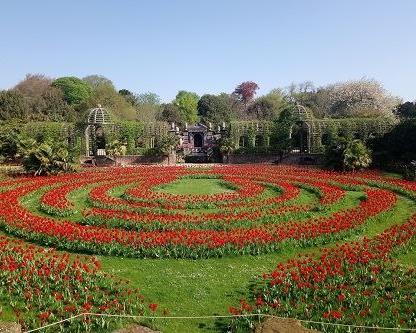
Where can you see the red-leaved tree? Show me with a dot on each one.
(245, 92)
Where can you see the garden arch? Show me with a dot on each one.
(300, 134)
(95, 141)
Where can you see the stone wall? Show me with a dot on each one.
(250, 158)
(139, 159)
(291, 159)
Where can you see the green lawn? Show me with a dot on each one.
(195, 186)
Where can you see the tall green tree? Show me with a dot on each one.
(215, 108)
(76, 91)
(187, 103)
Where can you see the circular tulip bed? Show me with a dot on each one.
(196, 213)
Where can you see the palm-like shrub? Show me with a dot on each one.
(44, 158)
(356, 156)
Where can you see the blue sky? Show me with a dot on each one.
(210, 46)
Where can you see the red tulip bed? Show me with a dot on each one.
(126, 212)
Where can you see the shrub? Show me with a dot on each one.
(356, 156)
(44, 158)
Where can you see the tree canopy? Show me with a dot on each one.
(76, 91)
(187, 103)
(246, 91)
(215, 108)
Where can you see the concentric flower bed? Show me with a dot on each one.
(259, 212)
(136, 212)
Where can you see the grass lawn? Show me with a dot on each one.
(195, 186)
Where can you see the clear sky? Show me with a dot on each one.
(210, 46)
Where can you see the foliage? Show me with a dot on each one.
(269, 106)
(147, 106)
(343, 153)
(396, 146)
(409, 171)
(215, 108)
(362, 98)
(128, 96)
(43, 101)
(33, 85)
(226, 145)
(115, 103)
(334, 152)
(280, 138)
(116, 148)
(187, 103)
(406, 110)
(170, 113)
(164, 145)
(76, 91)
(148, 98)
(9, 141)
(13, 105)
(306, 94)
(44, 158)
(245, 92)
(356, 156)
(96, 81)
(128, 133)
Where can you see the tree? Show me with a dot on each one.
(44, 102)
(147, 106)
(215, 109)
(280, 139)
(128, 96)
(307, 95)
(245, 92)
(13, 105)
(356, 156)
(98, 80)
(76, 91)
(170, 113)
(34, 85)
(109, 98)
(9, 141)
(148, 98)
(187, 103)
(397, 146)
(51, 106)
(362, 98)
(406, 110)
(268, 107)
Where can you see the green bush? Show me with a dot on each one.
(356, 156)
(44, 158)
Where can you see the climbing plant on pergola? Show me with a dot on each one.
(244, 133)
